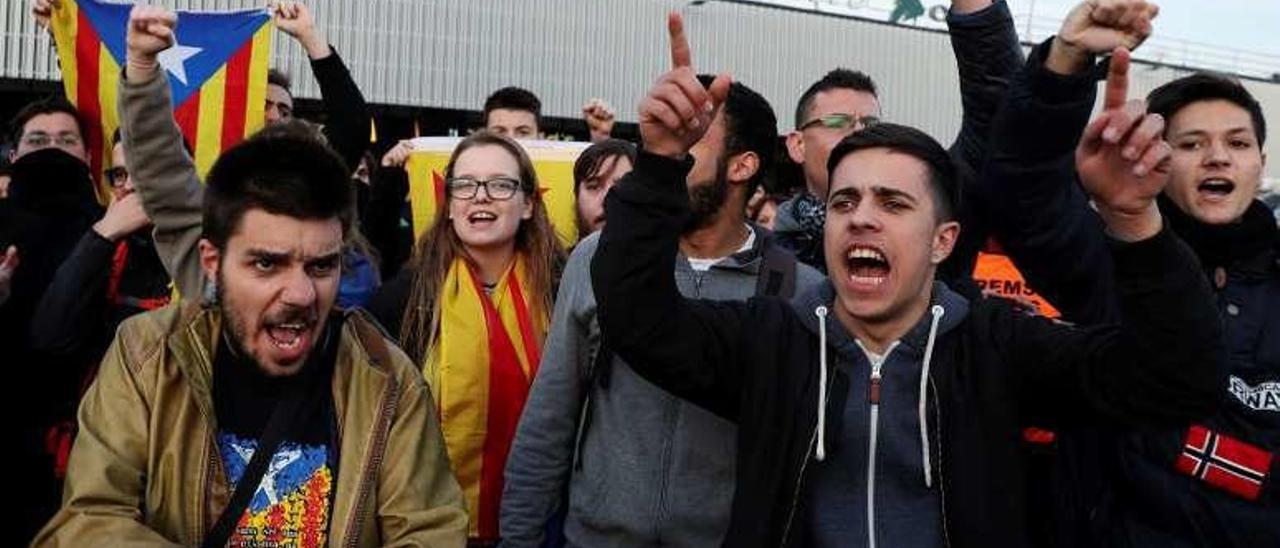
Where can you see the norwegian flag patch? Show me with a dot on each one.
(1224, 462)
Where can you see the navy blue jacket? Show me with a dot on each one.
(1045, 224)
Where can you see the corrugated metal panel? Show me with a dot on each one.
(453, 53)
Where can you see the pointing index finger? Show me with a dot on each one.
(680, 54)
(1117, 80)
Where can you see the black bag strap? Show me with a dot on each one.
(282, 418)
(777, 272)
(777, 278)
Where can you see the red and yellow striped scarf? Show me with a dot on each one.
(480, 367)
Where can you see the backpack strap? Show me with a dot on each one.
(777, 271)
(777, 278)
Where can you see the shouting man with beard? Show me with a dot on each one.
(588, 403)
(259, 415)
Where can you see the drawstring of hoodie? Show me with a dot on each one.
(821, 451)
(937, 312)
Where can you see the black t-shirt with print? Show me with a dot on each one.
(294, 500)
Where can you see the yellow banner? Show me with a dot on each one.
(552, 160)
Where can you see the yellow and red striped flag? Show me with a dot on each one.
(217, 73)
(480, 368)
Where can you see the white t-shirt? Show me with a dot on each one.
(703, 265)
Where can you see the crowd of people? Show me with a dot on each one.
(268, 356)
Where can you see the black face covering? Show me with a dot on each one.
(52, 182)
(51, 205)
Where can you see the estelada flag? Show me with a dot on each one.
(217, 74)
(552, 161)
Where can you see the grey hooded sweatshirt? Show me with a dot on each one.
(647, 468)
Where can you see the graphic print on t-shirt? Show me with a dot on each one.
(291, 505)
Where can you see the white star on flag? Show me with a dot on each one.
(172, 60)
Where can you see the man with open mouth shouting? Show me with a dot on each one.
(881, 407)
(258, 415)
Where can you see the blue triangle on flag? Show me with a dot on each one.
(216, 37)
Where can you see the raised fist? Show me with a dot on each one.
(150, 31)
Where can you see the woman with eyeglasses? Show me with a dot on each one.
(472, 306)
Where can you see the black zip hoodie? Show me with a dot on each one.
(761, 365)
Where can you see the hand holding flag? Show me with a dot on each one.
(43, 10)
(216, 65)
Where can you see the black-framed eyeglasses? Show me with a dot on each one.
(117, 175)
(497, 188)
(841, 120)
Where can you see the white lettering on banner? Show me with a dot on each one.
(1264, 397)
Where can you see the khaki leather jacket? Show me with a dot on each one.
(145, 469)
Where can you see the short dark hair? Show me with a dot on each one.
(1172, 97)
(594, 157)
(840, 78)
(514, 98)
(276, 77)
(750, 126)
(49, 105)
(283, 170)
(916, 143)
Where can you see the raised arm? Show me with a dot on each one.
(162, 170)
(380, 221)
(1037, 209)
(347, 117)
(685, 347)
(988, 54)
(1161, 364)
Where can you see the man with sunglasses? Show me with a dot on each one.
(845, 101)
